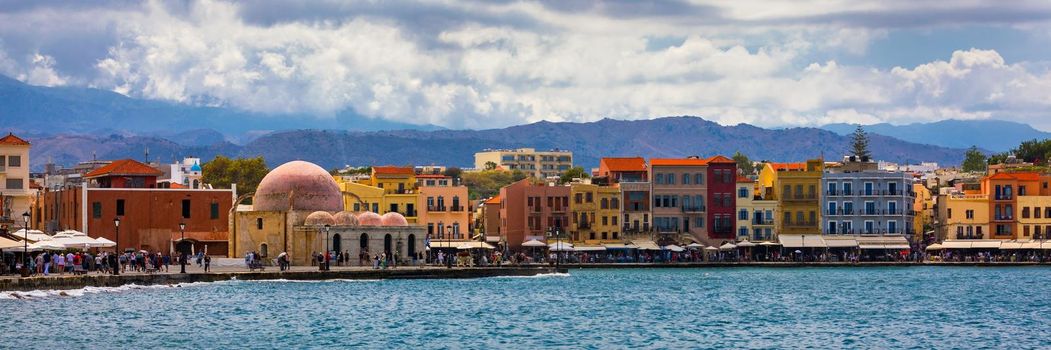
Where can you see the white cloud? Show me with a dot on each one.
(744, 61)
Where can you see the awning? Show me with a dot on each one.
(695, 245)
(1011, 245)
(492, 239)
(589, 248)
(646, 245)
(560, 247)
(935, 246)
(991, 244)
(619, 246)
(1031, 245)
(769, 244)
(745, 244)
(897, 246)
(802, 241)
(7, 243)
(728, 246)
(1045, 245)
(474, 245)
(838, 242)
(956, 244)
(871, 246)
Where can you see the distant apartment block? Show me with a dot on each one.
(539, 164)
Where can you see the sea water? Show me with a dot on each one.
(864, 307)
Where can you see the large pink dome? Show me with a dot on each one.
(394, 219)
(346, 218)
(369, 219)
(309, 186)
(319, 218)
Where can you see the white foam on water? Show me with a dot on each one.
(282, 280)
(540, 275)
(40, 294)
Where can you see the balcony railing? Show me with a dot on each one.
(1003, 197)
(800, 224)
(435, 208)
(762, 222)
(692, 208)
(801, 197)
(456, 208)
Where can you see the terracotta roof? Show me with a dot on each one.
(494, 200)
(1021, 176)
(124, 167)
(788, 166)
(13, 140)
(741, 179)
(393, 170)
(624, 164)
(178, 185)
(431, 176)
(678, 162)
(721, 160)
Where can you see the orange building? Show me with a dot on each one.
(530, 211)
(443, 207)
(149, 216)
(1003, 190)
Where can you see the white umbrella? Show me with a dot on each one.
(534, 243)
(711, 248)
(745, 244)
(560, 247)
(47, 245)
(32, 236)
(695, 245)
(674, 248)
(7, 243)
(935, 246)
(728, 246)
(102, 242)
(75, 240)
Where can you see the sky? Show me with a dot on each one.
(486, 64)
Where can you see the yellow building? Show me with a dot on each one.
(15, 194)
(539, 164)
(795, 186)
(388, 189)
(1034, 217)
(966, 216)
(924, 207)
(755, 214)
(595, 213)
(444, 207)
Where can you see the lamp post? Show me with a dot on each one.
(448, 244)
(116, 248)
(182, 252)
(25, 243)
(327, 262)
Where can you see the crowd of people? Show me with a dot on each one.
(83, 262)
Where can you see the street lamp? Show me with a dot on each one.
(182, 250)
(116, 248)
(448, 244)
(327, 262)
(25, 243)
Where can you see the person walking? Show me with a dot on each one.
(207, 263)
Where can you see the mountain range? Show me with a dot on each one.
(993, 135)
(71, 124)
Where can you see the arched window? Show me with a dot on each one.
(364, 244)
(337, 243)
(259, 223)
(387, 245)
(264, 250)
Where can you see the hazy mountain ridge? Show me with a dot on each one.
(994, 135)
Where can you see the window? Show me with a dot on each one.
(1025, 229)
(1036, 212)
(868, 188)
(846, 227)
(1025, 212)
(14, 184)
(948, 213)
(357, 207)
(14, 161)
(742, 192)
(604, 204)
(578, 198)
(968, 213)
(588, 197)
(743, 231)
(832, 227)
(658, 178)
(892, 208)
(96, 210)
(259, 223)
(605, 221)
(786, 192)
(742, 214)
(120, 207)
(685, 179)
(671, 179)
(869, 226)
(892, 226)
(614, 203)
(186, 208)
(214, 209)
(831, 208)
(698, 179)
(614, 219)
(788, 217)
(698, 222)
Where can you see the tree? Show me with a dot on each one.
(573, 173)
(860, 144)
(245, 172)
(744, 163)
(973, 160)
(453, 172)
(490, 165)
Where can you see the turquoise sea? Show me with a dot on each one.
(865, 307)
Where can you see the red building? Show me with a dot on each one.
(528, 211)
(149, 216)
(722, 204)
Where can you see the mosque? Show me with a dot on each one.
(298, 209)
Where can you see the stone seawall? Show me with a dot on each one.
(97, 280)
(796, 264)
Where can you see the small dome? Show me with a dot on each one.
(196, 167)
(319, 218)
(370, 219)
(298, 185)
(346, 218)
(394, 219)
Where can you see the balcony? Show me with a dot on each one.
(800, 224)
(801, 198)
(1003, 197)
(762, 222)
(456, 208)
(831, 193)
(692, 208)
(558, 209)
(1003, 217)
(584, 226)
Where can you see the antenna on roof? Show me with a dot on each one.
(147, 155)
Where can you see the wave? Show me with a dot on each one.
(540, 275)
(282, 280)
(40, 294)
